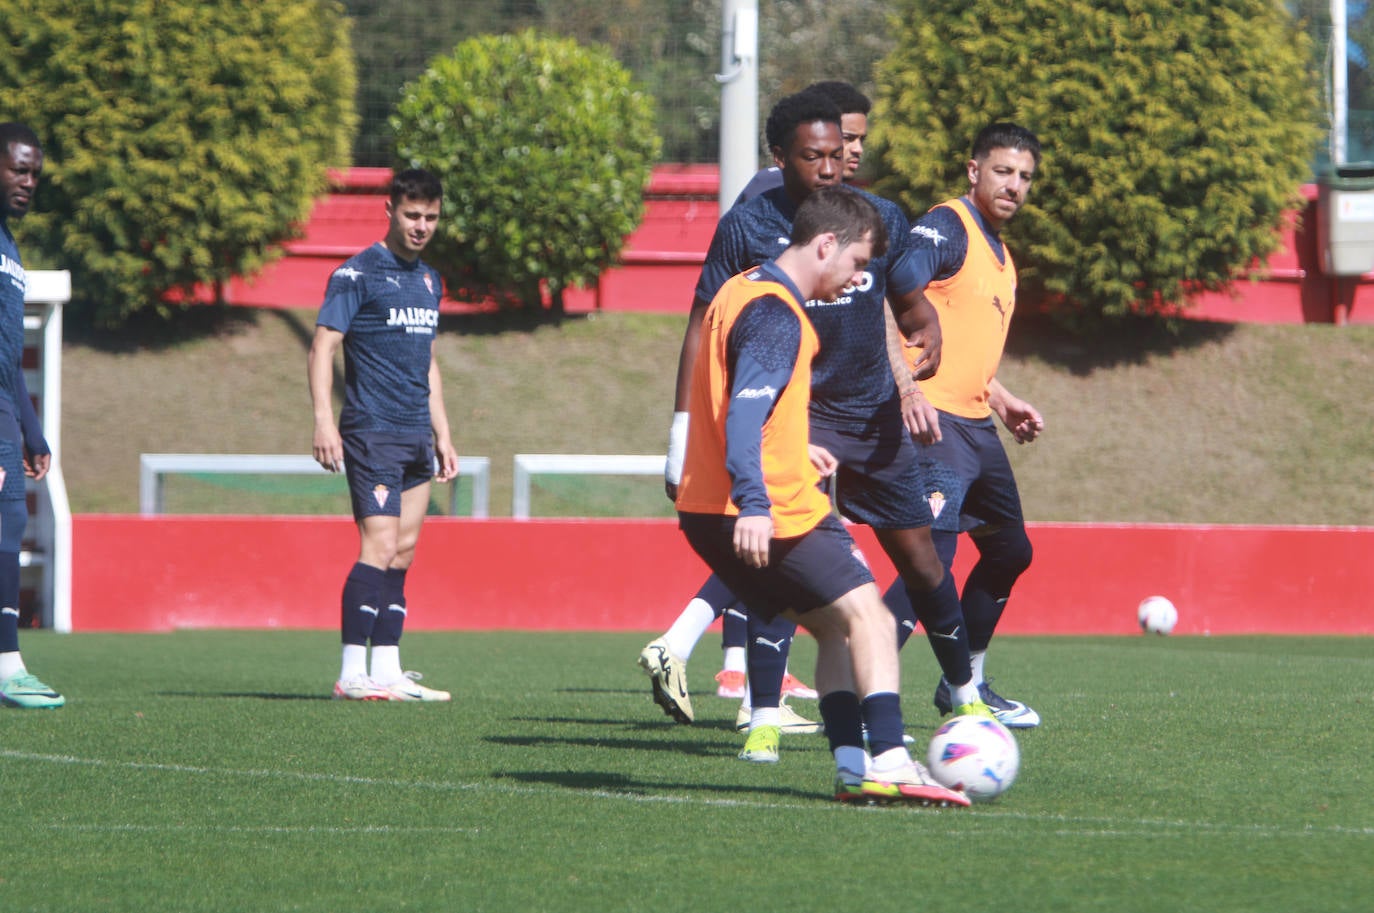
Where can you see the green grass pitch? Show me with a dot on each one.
(209, 771)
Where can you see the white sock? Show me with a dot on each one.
(736, 659)
(682, 637)
(11, 664)
(765, 716)
(851, 758)
(386, 665)
(354, 662)
(978, 659)
(964, 694)
(892, 759)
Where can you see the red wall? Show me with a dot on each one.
(136, 573)
(659, 266)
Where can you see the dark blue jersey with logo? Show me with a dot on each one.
(388, 311)
(12, 284)
(851, 378)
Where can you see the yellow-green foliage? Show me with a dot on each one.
(544, 147)
(183, 137)
(1176, 133)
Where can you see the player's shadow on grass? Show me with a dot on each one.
(675, 746)
(602, 690)
(602, 781)
(259, 695)
(657, 724)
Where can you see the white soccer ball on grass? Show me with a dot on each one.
(976, 754)
(1156, 615)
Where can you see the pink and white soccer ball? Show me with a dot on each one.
(975, 754)
(1156, 615)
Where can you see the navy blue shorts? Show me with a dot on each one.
(968, 476)
(382, 464)
(803, 573)
(879, 481)
(12, 464)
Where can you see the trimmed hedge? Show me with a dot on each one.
(545, 148)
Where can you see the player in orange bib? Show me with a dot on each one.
(969, 276)
(749, 502)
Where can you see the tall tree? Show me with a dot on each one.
(1176, 133)
(184, 138)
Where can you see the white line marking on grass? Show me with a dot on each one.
(264, 829)
(1104, 827)
(444, 785)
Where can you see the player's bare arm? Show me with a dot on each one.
(920, 327)
(327, 447)
(921, 419)
(438, 420)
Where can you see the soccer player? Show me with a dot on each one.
(858, 425)
(750, 504)
(382, 307)
(741, 634)
(854, 107)
(967, 272)
(23, 450)
(744, 636)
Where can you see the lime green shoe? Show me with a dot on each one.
(975, 708)
(26, 691)
(849, 786)
(789, 720)
(762, 745)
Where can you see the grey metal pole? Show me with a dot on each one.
(739, 97)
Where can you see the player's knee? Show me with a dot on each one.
(1006, 553)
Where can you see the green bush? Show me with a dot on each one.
(184, 138)
(1176, 134)
(545, 148)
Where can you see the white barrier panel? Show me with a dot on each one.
(46, 560)
(153, 467)
(591, 464)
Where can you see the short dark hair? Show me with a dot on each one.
(793, 111)
(1005, 136)
(416, 184)
(12, 132)
(841, 210)
(847, 98)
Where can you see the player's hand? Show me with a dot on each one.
(328, 447)
(447, 468)
(753, 536)
(929, 341)
(1021, 419)
(921, 418)
(677, 453)
(823, 460)
(36, 465)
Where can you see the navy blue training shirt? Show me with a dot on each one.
(388, 311)
(851, 378)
